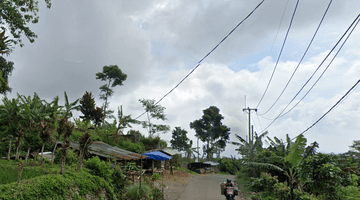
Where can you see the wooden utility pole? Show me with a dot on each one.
(251, 136)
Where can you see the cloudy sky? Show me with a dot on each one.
(157, 43)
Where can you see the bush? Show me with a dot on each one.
(99, 168)
(133, 192)
(349, 192)
(265, 183)
(71, 157)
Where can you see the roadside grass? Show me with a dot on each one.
(186, 170)
(9, 170)
(243, 182)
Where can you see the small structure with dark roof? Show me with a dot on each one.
(106, 151)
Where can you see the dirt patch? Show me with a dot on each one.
(174, 184)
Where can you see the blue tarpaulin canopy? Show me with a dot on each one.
(157, 155)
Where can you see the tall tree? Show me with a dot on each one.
(153, 111)
(6, 68)
(114, 77)
(87, 107)
(209, 129)
(179, 139)
(16, 15)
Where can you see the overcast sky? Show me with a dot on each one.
(157, 43)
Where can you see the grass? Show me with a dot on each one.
(9, 170)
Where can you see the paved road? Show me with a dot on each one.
(205, 187)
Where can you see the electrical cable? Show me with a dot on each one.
(312, 39)
(317, 69)
(198, 64)
(281, 115)
(282, 47)
(271, 49)
(338, 102)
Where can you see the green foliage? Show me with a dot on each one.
(349, 192)
(99, 168)
(179, 139)
(75, 185)
(153, 111)
(16, 15)
(9, 174)
(229, 165)
(210, 130)
(155, 177)
(71, 157)
(87, 107)
(133, 192)
(6, 68)
(114, 77)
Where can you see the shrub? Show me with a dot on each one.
(349, 192)
(99, 168)
(265, 183)
(71, 157)
(133, 192)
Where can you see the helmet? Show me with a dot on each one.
(228, 180)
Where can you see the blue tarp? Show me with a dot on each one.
(157, 155)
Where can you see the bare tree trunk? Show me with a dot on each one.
(81, 159)
(17, 153)
(52, 157)
(28, 153)
(42, 154)
(8, 156)
(21, 168)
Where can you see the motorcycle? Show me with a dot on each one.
(230, 195)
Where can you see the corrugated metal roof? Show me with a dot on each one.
(170, 151)
(108, 151)
(211, 163)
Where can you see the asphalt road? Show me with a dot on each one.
(205, 187)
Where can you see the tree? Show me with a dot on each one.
(11, 112)
(153, 111)
(209, 129)
(69, 107)
(249, 149)
(84, 142)
(87, 107)
(6, 67)
(124, 121)
(16, 15)
(114, 76)
(179, 139)
(98, 116)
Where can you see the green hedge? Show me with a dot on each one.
(77, 185)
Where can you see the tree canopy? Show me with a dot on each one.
(16, 15)
(179, 139)
(209, 129)
(153, 111)
(114, 76)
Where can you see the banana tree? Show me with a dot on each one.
(292, 161)
(10, 111)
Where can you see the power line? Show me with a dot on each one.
(198, 64)
(317, 69)
(272, 46)
(282, 47)
(338, 102)
(312, 39)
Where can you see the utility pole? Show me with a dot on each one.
(249, 112)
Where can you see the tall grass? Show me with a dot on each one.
(10, 174)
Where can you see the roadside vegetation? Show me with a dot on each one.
(295, 170)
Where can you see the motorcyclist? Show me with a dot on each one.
(228, 184)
